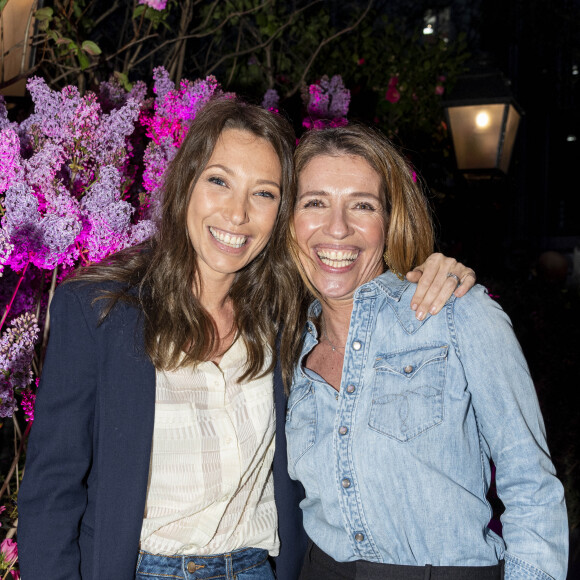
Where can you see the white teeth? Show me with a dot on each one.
(228, 239)
(337, 258)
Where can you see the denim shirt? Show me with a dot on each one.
(396, 465)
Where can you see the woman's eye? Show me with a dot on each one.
(364, 205)
(313, 203)
(217, 181)
(265, 194)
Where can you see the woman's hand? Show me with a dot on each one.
(438, 277)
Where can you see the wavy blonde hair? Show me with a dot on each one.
(409, 233)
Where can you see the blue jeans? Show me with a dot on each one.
(245, 564)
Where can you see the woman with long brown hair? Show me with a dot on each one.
(154, 438)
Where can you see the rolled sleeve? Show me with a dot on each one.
(511, 426)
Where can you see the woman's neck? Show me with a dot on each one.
(335, 322)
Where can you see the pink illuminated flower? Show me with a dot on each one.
(439, 90)
(392, 95)
(155, 4)
(9, 551)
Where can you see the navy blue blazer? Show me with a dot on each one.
(82, 499)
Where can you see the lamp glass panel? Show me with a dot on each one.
(476, 132)
(511, 129)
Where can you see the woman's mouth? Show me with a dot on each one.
(337, 258)
(230, 240)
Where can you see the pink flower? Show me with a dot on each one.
(9, 550)
(361, 61)
(439, 89)
(392, 95)
(156, 4)
(393, 81)
(15, 574)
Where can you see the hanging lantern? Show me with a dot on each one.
(483, 120)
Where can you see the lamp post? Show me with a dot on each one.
(483, 120)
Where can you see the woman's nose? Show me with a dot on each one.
(237, 210)
(337, 225)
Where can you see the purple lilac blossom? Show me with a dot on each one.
(16, 352)
(4, 122)
(109, 139)
(43, 166)
(271, 100)
(54, 111)
(6, 248)
(162, 83)
(21, 207)
(141, 231)
(327, 103)
(10, 165)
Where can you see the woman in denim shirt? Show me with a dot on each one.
(392, 420)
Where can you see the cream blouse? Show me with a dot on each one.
(211, 487)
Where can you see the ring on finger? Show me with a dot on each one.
(452, 275)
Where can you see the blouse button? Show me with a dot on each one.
(408, 369)
(346, 483)
(356, 345)
(343, 430)
(359, 537)
(350, 389)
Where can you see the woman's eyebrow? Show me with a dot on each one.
(229, 171)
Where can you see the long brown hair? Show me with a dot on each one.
(159, 275)
(409, 236)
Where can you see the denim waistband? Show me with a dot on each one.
(200, 567)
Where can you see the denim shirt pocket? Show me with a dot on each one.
(408, 392)
(300, 422)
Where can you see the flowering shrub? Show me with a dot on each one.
(326, 103)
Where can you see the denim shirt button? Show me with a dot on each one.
(359, 537)
(356, 345)
(343, 430)
(408, 369)
(345, 482)
(350, 389)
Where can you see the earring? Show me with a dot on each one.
(386, 259)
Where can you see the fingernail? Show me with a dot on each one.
(433, 310)
(414, 306)
(420, 315)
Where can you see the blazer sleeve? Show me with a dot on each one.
(508, 415)
(53, 495)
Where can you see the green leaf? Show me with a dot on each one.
(2, 4)
(84, 61)
(139, 10)
(124, 80)
(44, 14)
(64, 40)
(91, 48)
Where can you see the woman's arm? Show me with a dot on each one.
(53, 496)
(511, 426)
(438, 278)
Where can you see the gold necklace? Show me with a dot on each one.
(325, 337)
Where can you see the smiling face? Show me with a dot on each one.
(340, 224)
(234, 204)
